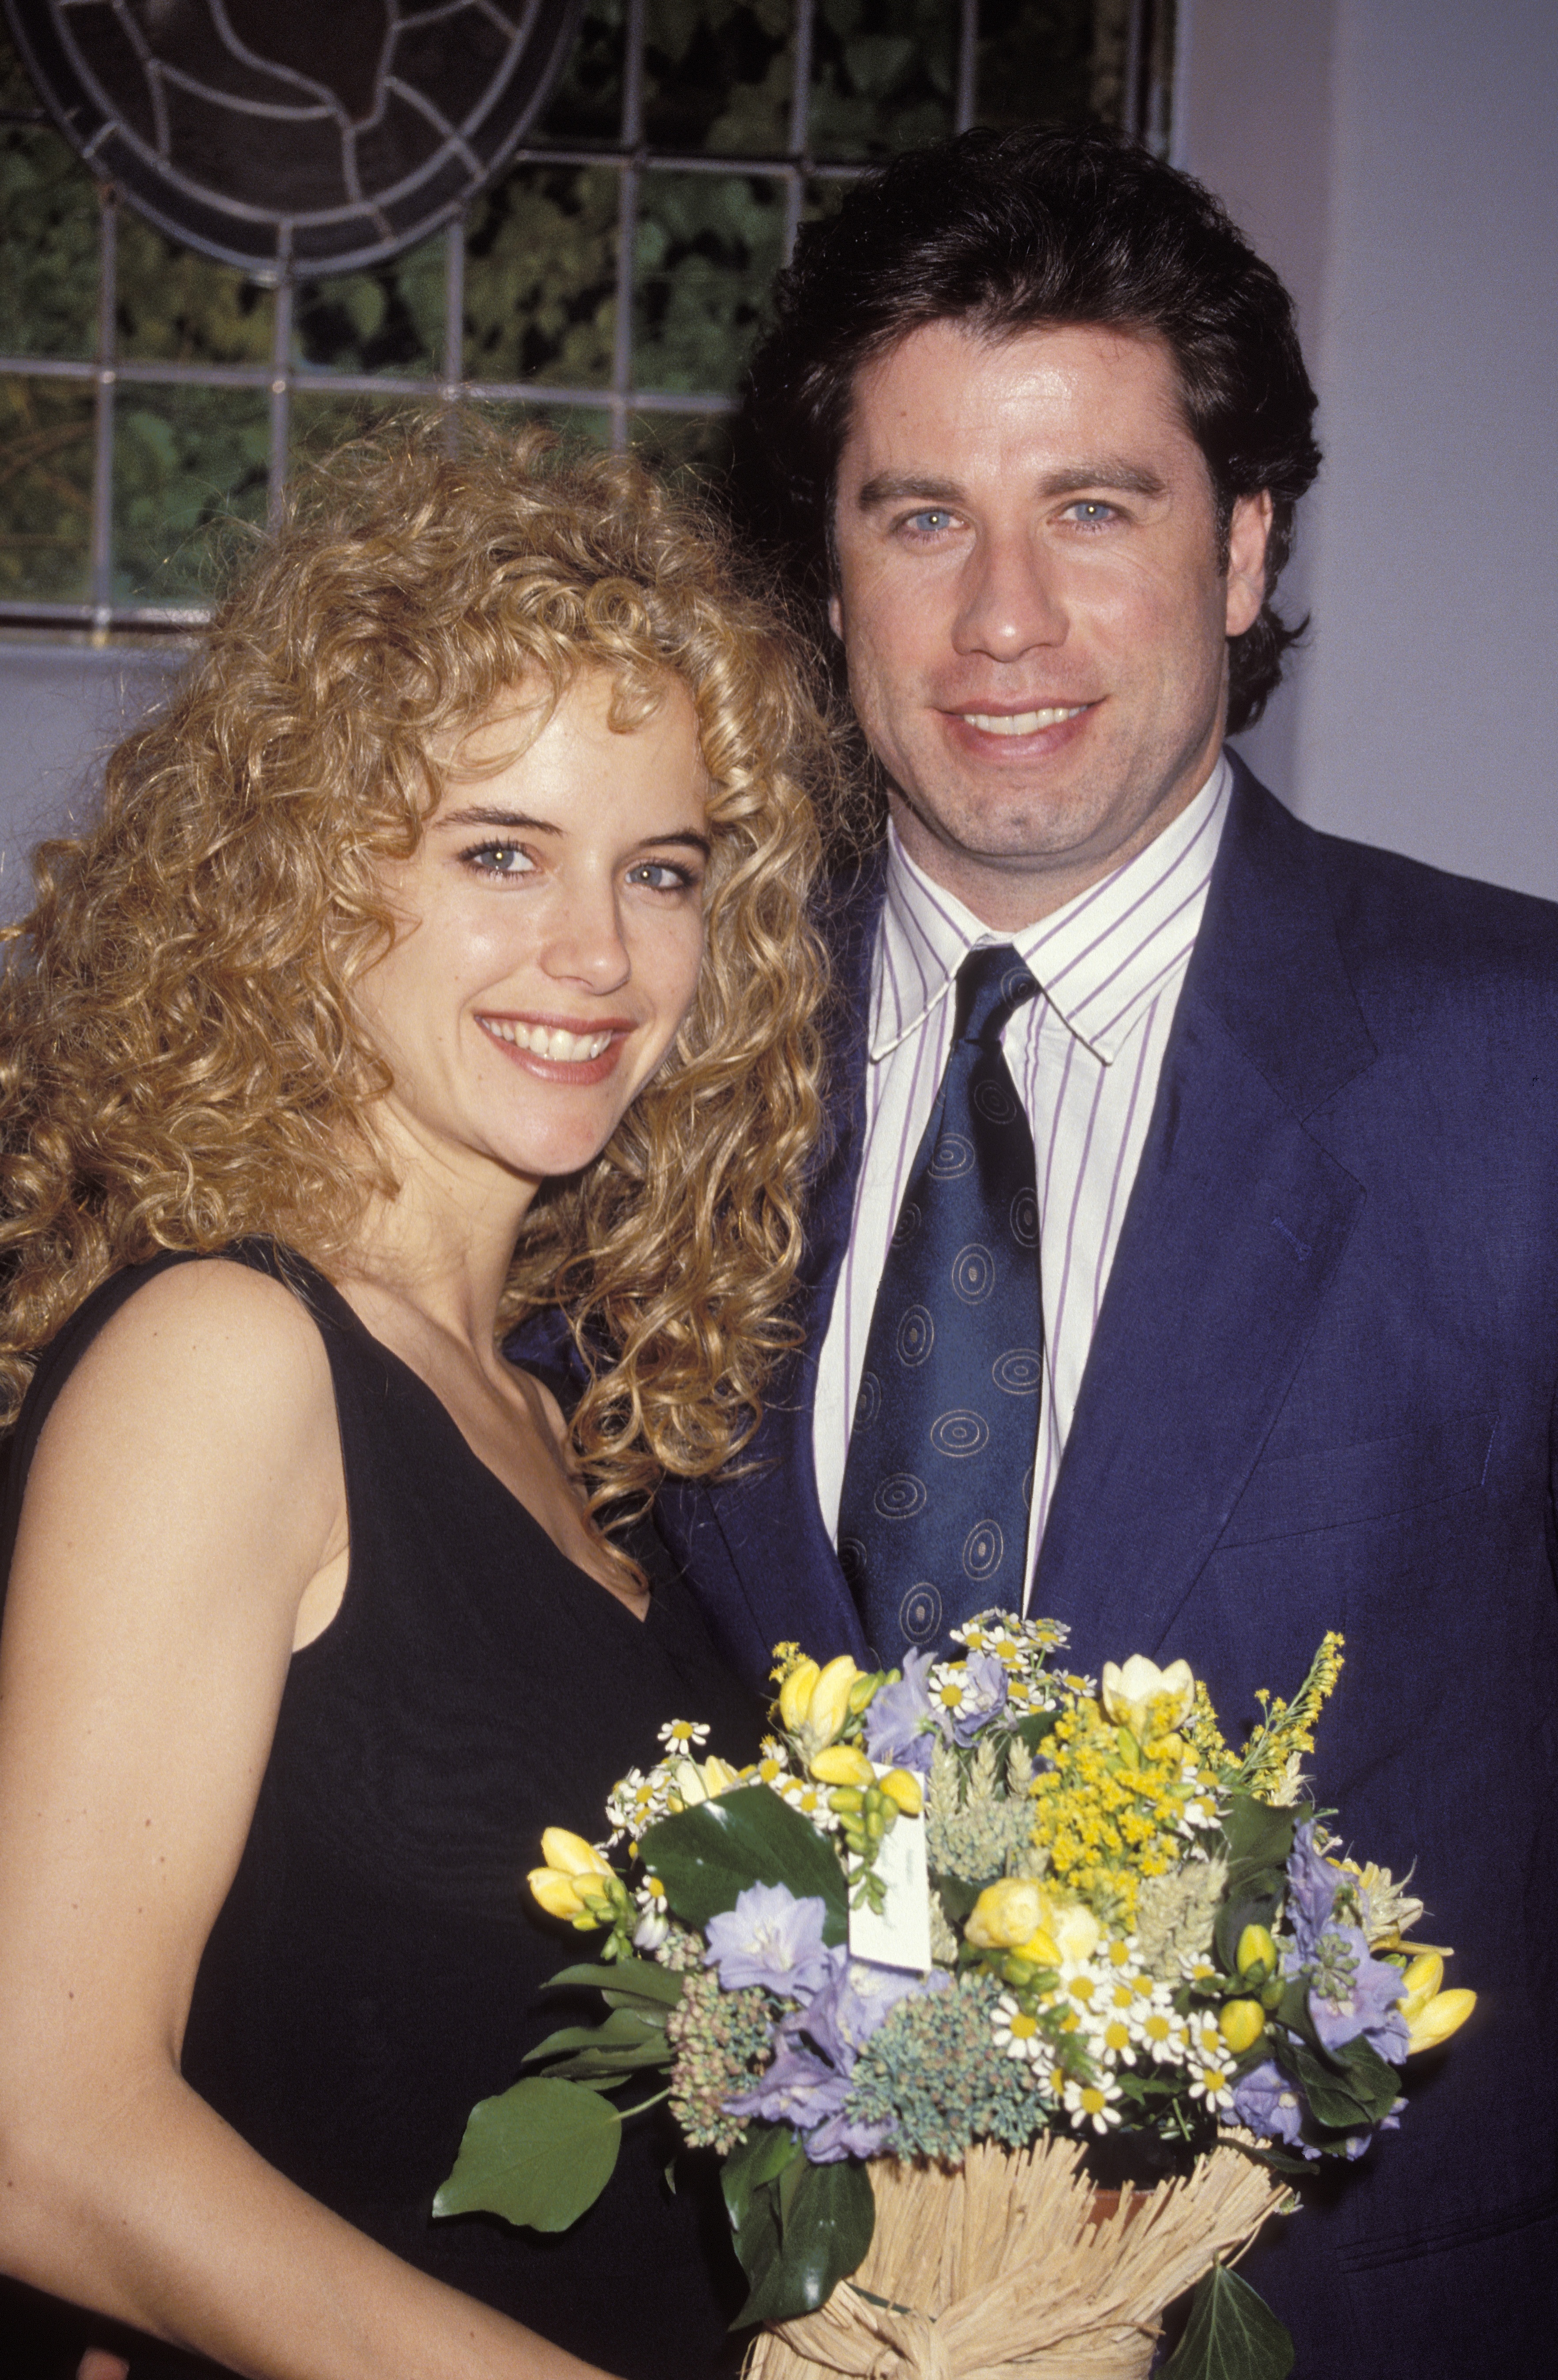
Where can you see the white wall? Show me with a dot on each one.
(62, 706)
(1397, 160)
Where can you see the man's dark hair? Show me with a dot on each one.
(1020, 231)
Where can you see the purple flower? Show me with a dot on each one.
(846, 2136)
(1351, 1993)
(1312, 1889)
(985, 1694)
(893, 1734)
(771, 1938)
(809, 2079)
(1268, 2104)
(799, 2088)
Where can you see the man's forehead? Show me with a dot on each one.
(959, 377)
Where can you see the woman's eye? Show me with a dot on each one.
(499, 860)
(661, 876)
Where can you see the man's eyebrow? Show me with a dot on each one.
(1105, 471)
(891, 488)
(509, 821)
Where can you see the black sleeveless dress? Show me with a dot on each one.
(377, 1966)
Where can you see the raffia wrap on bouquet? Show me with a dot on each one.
(1011, 2268)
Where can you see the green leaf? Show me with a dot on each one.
(1255, 1901)
(826, 2217)
(633, 1981)
(1257, 1837)
(623, 2028)
(754, 2162)
(1354, 2088)
(1033, 1729)
(706, 1856)
(1231, 2334)
(539, 2155)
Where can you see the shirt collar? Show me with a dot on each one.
(1099, 959)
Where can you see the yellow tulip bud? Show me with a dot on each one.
(842, 1764)
(795, 1695)
(718, 1776)
(1241, 2023)
(829, 1706)
(1444, 2014)
(1256, 1949)
(571, 1854)
(1005, 1914)
(861, 1691)
(1421, 1984)
(1017, 1914)
(559, 1895)
(901, 1785)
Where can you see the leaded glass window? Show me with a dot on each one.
(612, 276)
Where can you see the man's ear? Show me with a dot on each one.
(836, 615)
(1248, 532)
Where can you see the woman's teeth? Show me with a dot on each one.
(1021, 722)
(547, 1040)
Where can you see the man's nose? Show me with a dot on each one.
(1010, 601)
(584, 944)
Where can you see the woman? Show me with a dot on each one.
(454, 905)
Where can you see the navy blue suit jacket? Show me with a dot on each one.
(1320, 1395)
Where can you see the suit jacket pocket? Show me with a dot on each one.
(1329, 1487)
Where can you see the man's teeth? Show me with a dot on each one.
(1021, 722)
(547, 1040)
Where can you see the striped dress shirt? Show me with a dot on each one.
(1084, 1057)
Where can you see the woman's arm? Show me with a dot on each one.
(184, 1524)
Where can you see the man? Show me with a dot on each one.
(1286, 1154)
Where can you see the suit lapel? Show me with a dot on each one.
(767, 1517)
(1236, 1224)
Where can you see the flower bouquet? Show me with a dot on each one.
(958, 1927)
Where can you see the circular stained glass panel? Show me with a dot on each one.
(306, 135)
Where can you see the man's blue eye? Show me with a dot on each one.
(929, 520)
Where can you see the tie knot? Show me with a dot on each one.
(992, 981)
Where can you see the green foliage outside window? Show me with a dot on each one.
(540, 267)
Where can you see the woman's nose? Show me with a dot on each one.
(584, 944)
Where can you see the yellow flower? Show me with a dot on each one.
(1017, 1914)
(901, 1785)
(842, 1764)
(1242, 2024)
(814, 1704)
(1256, 1949)
(1444, 2014)
(1432, 2015)
(1128, 1694)
(566, 1887)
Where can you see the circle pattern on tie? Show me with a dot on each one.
(983, 1550)
(919, 1615)
(995, 1102)
(1018, 1372)
(868, 1403)
(974, 1273)
(953, 1156)
(908, 1224)
(852, 1560)
(959, 1434)
(902, 1497)
(1028, 1487)
(1024, 1218)
(916, 1336)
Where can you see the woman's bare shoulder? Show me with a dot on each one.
(209, 1369)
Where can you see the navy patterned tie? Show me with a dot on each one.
(933, 1520)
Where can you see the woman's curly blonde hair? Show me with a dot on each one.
(181, 1064)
